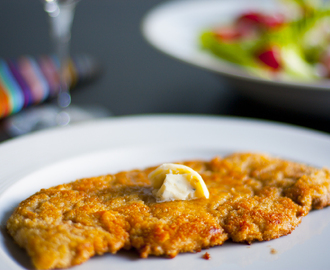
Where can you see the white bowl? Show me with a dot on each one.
(174, 28)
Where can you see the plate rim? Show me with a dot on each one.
(20, 143)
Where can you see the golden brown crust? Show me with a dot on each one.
(253, 197)
(259, 218)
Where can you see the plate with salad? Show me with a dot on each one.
(275, 51)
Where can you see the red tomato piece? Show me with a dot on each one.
(255, 19)
(273, 21)
(252, 17)
(270, 57)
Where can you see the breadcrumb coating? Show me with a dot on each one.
(253, 197)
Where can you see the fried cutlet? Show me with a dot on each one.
(253, 197)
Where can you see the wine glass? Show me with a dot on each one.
(61, 14)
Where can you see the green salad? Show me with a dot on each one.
(278, 45)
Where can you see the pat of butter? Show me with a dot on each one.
(175, 187)
(177, 182)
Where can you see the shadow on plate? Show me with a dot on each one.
(18, 254)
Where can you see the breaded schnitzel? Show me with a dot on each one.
(253, 197)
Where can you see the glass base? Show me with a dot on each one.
(49, 115)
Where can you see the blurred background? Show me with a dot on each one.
(136, 78)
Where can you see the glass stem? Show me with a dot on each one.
(61, 16)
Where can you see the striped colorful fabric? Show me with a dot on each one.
(28, 80)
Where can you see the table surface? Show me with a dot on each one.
(137, 79)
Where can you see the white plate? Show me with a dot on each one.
(174, 28)
(56, 156)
